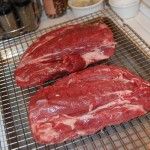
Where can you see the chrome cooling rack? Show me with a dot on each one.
(131, 52)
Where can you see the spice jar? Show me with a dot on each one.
(55, 8)
(26, 14)
(8, 20)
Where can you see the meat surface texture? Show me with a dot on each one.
(64, 50)
(86, 102)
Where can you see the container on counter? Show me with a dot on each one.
(8, 20)
(37, 8)
(145, 7)
(55, 8)
(26, 15)
(84, 7)
(125, 8)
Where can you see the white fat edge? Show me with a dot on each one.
(95, 55)
(43, 120)
(42, 42)
(89, 115)
(143, 82)
(48, 132)
(103, 26)
(81, 132)
(147, 83)
(42, 102)
(55, 117)
(24, 79)
(105, 69)
(34, 127)
(63, 140)
(85, 117)
(38, 59)
(47, 56)
(121, 78)
(113, 103)
(88, 57)
(135, 98)
(57, 95)
(45, 40)
(69, 121)
(117, 114)
(48, 135)
(135, 107)
(71, 81)
(37, 112)
(39, 44)
(109, 44)
(49, 109)
(18, 78)
(34, 114)
(90, 107)
(119, 93)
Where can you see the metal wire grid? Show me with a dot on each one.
(130, 52)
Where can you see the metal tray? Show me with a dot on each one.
(131, 52)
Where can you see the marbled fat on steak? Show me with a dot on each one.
(64, 50)
(86, 102)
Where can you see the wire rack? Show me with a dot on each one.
(131, 52)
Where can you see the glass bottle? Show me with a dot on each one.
(55, 8)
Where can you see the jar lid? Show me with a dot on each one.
(123, 2)
(21, 3)
(5, 8)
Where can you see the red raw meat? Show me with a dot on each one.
(86, 102)
(64, 50)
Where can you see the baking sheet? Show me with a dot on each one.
(130, 135)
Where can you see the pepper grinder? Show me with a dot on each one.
(37, 8)
(8, 20)
(26, 14)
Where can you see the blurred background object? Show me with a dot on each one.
(145, 7)
(55, 8)
(26, 14)
(7, 19)
(125, 8)
(19, 16)
(85, 7)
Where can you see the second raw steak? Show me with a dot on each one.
(86, 102)
(65, 50)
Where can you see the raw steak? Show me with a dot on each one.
(86, 102)
(64, 50)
